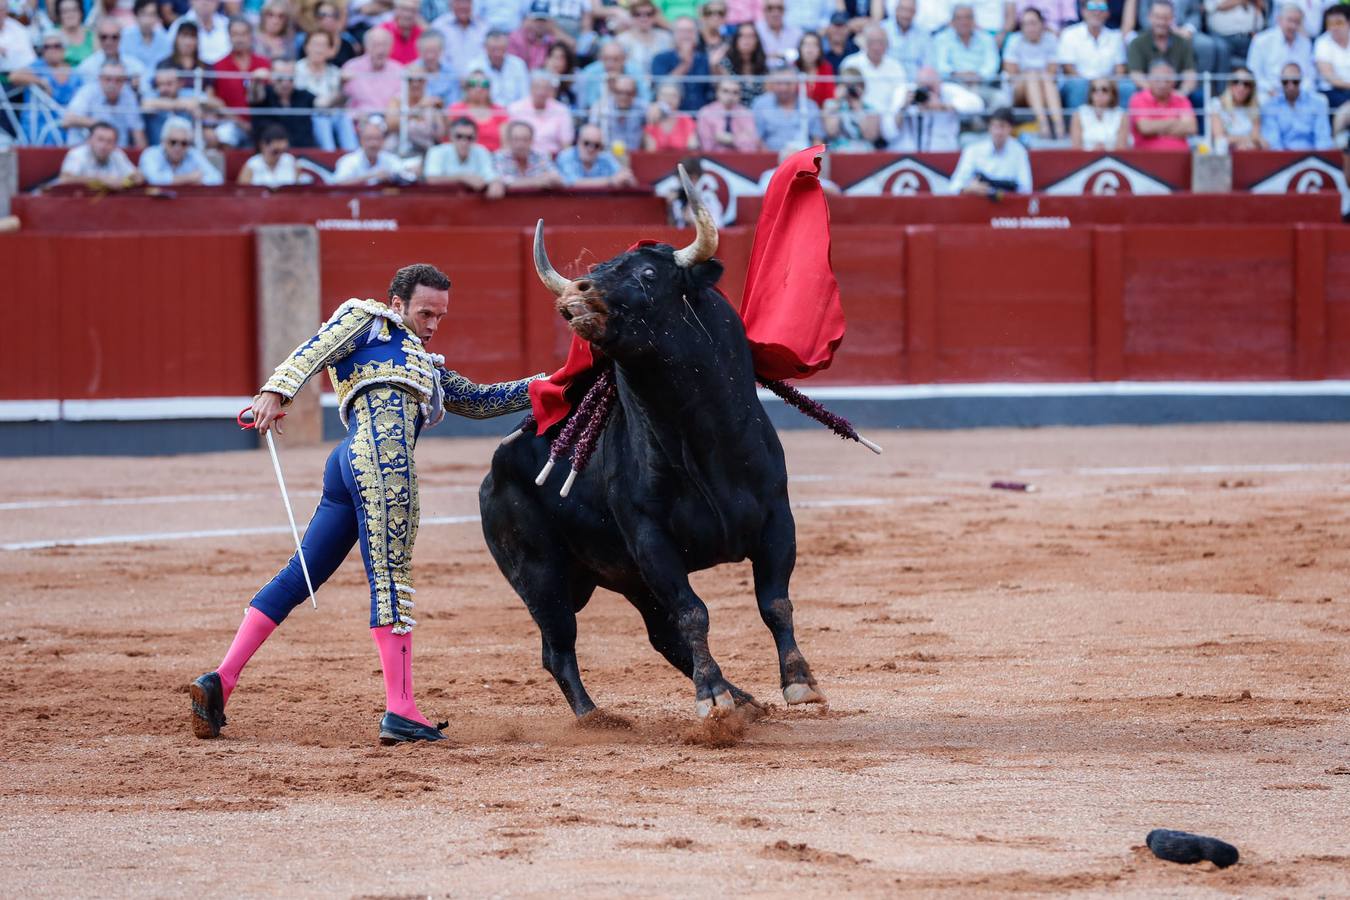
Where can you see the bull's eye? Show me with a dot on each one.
(648, 274)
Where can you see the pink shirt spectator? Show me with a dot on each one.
(552, 125)
(369, 91)
(714, 118)
(739, 11)
(533, 52)
(1143, 105)
(405, 51)
(1057, 13)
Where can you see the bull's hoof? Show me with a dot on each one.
(802, 693)
(600, 719)
(705, 707)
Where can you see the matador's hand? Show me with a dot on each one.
(267, 411)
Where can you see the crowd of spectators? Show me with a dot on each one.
(503, 94)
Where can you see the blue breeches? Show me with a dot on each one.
(369, 497)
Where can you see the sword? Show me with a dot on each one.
(245, 420)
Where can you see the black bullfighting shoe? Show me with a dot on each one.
(394, 729)
(208, 706)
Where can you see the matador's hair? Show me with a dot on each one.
(407, 279)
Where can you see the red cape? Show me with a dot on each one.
(790, 304)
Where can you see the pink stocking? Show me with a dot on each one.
(396, 661)
(255, 629)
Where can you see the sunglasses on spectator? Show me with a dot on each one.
(109, 37)
(462, 136)
(592, 145)
(1101, 89)
(177, 142)
(773, 9)
(478, 82)
(644, 14)
(1096, 7)
(715, 11)
(1291, 81)
(1244, 82)
(57, 46)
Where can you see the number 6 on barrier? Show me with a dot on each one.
(245, 420)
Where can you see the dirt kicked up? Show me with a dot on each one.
(1022, 685)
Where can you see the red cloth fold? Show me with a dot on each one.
(790, 306)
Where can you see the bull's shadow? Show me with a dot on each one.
(686, 474)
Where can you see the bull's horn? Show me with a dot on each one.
(547, 274)
(705, 242)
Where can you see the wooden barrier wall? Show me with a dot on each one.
(166, 315)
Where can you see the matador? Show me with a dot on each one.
(389, 387)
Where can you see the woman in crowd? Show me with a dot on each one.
(667, 127)
(562, 62)
(1235, 117)
(275, 37)
(851, 126)
(273, 166)
(333, 128)
(78, 39)
(426, 124)
(1100, 124)
(477, 105)
(815, 68)
(184, 55)
(1029, 60)
(330, 21)
(746, 58)
(642, 39)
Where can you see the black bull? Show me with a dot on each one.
(688, 474)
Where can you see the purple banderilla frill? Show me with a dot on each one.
(582, 430)
(838, 424)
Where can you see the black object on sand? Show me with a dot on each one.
(1187, 848)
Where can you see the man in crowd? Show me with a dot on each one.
(725, 124)
(967, 56)
(403, 31)
(1161, 41)
(837, 42)
(234, 77)
(784, 115)
(532, 40)
(909, 44)
(99, 163)
(1232, 23)
(463, 161)
(295, 106)
(1297, 119)
(372, 79)
(146, 41)
(442, 83)
(16, 59)
(619, 116)
(464, 36)
(510, 79)
(108, 34)
(520, 167)
(928, 118)
(109, 100)
(599, 77)
(1211, 53)
(881, 73)
(213, 30)
(171, 99)
(1089, 50)
(1161, 118)
(550, 119)
(1277, 46)
(994, 164)
(371, 164)
(589, 165)
(175, 161)
(776, 36)
(810, 15)
(686, 60)
(1331, 53)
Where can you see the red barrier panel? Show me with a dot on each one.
(1337, 296)
(131, 316)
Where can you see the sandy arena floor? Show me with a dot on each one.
(1022, 685)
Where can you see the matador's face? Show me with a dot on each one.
(424, 312)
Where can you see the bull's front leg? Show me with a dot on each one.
(773, 564)
(664, 572)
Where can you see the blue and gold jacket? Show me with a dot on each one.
(366, 343)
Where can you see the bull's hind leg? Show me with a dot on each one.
(773, 565)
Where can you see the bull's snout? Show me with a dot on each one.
(583, 306)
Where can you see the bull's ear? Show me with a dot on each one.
(706, 274)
